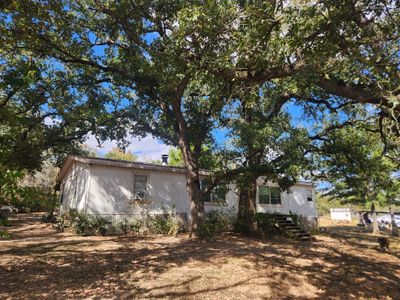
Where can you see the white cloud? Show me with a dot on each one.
(147, 148)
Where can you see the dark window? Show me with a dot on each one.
(309, 196)
(217, 194)
(275, 195)
(269, 195)
(140, 186)
(203, 184)
(263, 194)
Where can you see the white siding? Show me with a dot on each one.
(292, 201)
(298, 201)
(231, 204)
(75, 187)
(108, 191)
(111, 192)
(168, 189)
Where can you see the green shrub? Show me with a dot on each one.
(222, 221)
(216, 221)
(4, 222)
(206, 230)
(32, 199)
(91, 225)
(65, 221)
(60, 224)
(4, 235)
(83, 224)
(72, 215)
(113, 229)
(49, 218)
(135, 226)
(266, 223)
(166, 223)
(121, 227)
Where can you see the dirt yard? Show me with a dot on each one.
(341, 264)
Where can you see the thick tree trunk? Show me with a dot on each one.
(197, 215)
(193, 187)
(247, 222)
(192, 169)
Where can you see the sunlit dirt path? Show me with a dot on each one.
(41, 263)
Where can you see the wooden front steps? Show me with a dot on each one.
(289, 228)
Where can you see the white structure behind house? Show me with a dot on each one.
(341, 214)
(118, 189)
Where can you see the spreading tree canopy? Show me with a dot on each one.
(359, 170)
(169, 68)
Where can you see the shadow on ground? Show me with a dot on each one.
(63, 266)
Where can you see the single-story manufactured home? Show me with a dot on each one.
(120, 189)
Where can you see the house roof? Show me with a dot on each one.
(132, 165)
(119, 163)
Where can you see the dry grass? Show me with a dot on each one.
(342, 264)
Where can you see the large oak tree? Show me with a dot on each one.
(172, 66)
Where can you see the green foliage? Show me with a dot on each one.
(38, 111)
(207, 158)
(24, 197)
(175, 157)
(4, 222)
(118, 154)
(325, 203)
(82, 224)
(135, 226)
(33, 200)
(266, 223)
(60, 224)
(175, 69)
(358, 166)
(265, 143)
(91, 225)
(166, 223)
(29, 191)
(4, 235)
(216, 222)
(124, 226)
(10, 189)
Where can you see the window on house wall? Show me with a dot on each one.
(309, 195)
(275, 195)
(140, 186)
(269, 195)
(218, 193)
(263, 194)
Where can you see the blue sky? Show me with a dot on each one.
(150, 148)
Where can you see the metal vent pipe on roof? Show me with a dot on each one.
(164, 160)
